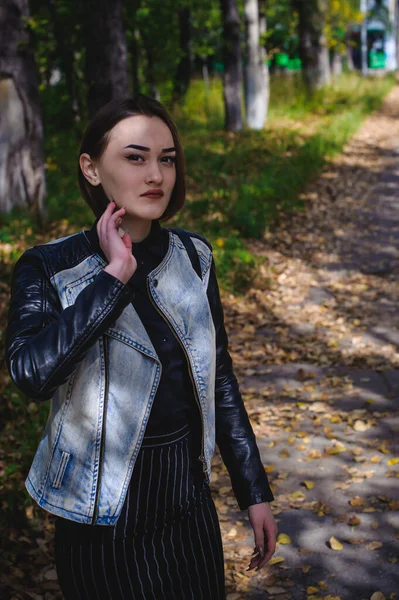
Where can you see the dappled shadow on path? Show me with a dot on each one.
(315, 344)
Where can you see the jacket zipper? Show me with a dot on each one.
(100, 466)
(202, 457)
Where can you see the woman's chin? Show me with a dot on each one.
(150, 214)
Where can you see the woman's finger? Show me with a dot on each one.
(102, 233)
(270, 547)
(113, 219)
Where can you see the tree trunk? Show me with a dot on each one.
(336, 63)
(64, 51)
(134, 53)
(396, 25)
(256, 71)
(106, 53)
(183, 73)
(134, 47)
(313, 49)
(22, 181)
(154, 91)
(232, 77)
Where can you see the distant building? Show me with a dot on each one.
(374, 43)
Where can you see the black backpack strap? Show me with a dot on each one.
(190, 248)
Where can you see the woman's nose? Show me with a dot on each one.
(154, 173)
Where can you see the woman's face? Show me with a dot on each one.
(139, 158)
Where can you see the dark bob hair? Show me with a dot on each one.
(96, 137)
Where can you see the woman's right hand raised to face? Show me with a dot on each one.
(118, 250)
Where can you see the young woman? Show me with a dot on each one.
(122, 327)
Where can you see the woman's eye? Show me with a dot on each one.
(135, 157)
(170, 159)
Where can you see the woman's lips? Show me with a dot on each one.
(153, 193)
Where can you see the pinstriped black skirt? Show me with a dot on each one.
(166, 544)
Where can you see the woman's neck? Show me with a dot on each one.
(137, 229)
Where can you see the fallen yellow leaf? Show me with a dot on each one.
(336, 448)
(322, 585)
(269, 468)
(354, 521)
(336, 419)
(375, 459)
(297, 496)
(377, 596)
(284, 453)
(357, 501)
(314, 454)
(335, 544)
(361, 425)
(383, 448)
(393, 461)
(276, 560)
(311, 589)
(374, 545)
(283, 538)
(308, 484)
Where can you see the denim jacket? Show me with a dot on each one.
(74, 337)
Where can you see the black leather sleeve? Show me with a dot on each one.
(44, 342)
(234, 434)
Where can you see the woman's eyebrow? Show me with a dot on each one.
(145, 149)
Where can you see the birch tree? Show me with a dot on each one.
(313, 48)
(232, 76)
(106, 53)
(256, 71)
(22, 181)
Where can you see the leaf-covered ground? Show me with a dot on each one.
(314, 343)
(315, 347)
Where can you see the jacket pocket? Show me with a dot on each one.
(65, 456)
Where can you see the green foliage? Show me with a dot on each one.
(236, 266)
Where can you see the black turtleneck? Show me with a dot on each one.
(174, 403)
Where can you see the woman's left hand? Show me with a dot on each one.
(265, 531)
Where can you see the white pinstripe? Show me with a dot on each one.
(127, 568)
(82, 571)
(186, 465)
(116, 568)
(124, 539)
(173, 521)
(217, 534)
(160, 435)
(145, 524)
(137, 510)
(189, 535)
(127, 511)
(73, 573)
(104, 569)
(163, 529)
(202, 549)
(211, 546)
(155, 529)
(91, 568)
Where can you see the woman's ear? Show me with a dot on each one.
(89, 169)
